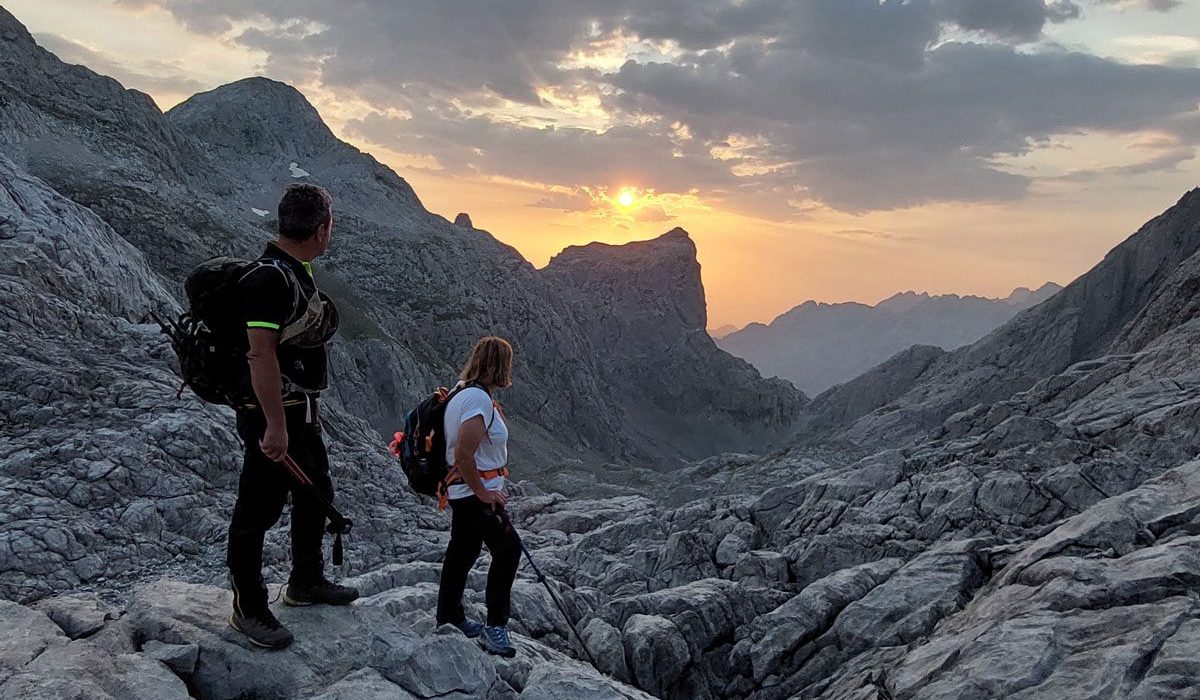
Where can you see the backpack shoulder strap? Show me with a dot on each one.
(299, 304)
(476, 385)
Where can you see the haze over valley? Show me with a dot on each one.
(815, 346)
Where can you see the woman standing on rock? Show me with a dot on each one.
(477, 452)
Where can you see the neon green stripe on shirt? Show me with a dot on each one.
(262, 324)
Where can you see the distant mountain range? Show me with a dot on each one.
(816, 346)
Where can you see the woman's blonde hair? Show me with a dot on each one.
(490, 363)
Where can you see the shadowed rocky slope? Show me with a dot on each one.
(1042, 543)
(816, 346)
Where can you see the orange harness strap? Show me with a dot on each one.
(455, 478)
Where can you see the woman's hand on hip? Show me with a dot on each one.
(495, 498)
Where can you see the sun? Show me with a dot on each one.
(626, 198)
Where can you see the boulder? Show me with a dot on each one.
(556, 682)
(761, 568)
(656, 651)
(180, 658)
(80, 614)
(606, 646)
(443, 666)
(683, 558)
(24, 635)
(365, 684)
(83, 670)
(731, 548)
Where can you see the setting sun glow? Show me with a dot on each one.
(626, 198)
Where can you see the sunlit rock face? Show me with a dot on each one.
(1039, 543)
(643, 302)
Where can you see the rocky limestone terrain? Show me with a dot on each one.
(816, 346)
(171, 641)
(1030, 528)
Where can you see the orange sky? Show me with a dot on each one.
(755, 269)
(755, 266)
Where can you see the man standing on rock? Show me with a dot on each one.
(288, 325)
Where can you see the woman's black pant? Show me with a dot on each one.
(472, 525)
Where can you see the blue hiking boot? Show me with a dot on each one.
(470, 628)
(495, 641)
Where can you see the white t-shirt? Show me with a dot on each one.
(492, 452)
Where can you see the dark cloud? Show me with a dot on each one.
(1063, 11)
(627, 155)
(1020, 20)
(881, 137)
(1152, 5)
(759, 105)
(457, 47)
(1017, 21)
(701, 24)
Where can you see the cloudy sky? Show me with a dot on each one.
(815, 149)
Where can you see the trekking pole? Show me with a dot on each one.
(553, 596)
(338, 524)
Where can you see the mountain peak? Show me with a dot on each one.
(662, 271)
(273, 96)
(675, 246)
(903, 301)
(255, 115)
(1031, 297)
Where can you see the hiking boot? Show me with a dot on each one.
(262, 629)
(321, 593)
(495, 641)
(470, 628)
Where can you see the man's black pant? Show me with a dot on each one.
(472, 525)
(262, 492)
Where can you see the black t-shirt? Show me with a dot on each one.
(270, 301)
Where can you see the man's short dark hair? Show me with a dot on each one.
(303, 209)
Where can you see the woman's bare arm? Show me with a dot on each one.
(470, 434)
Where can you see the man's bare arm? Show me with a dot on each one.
(268, 387)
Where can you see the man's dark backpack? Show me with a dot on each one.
(422, 446)
(208, 338)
